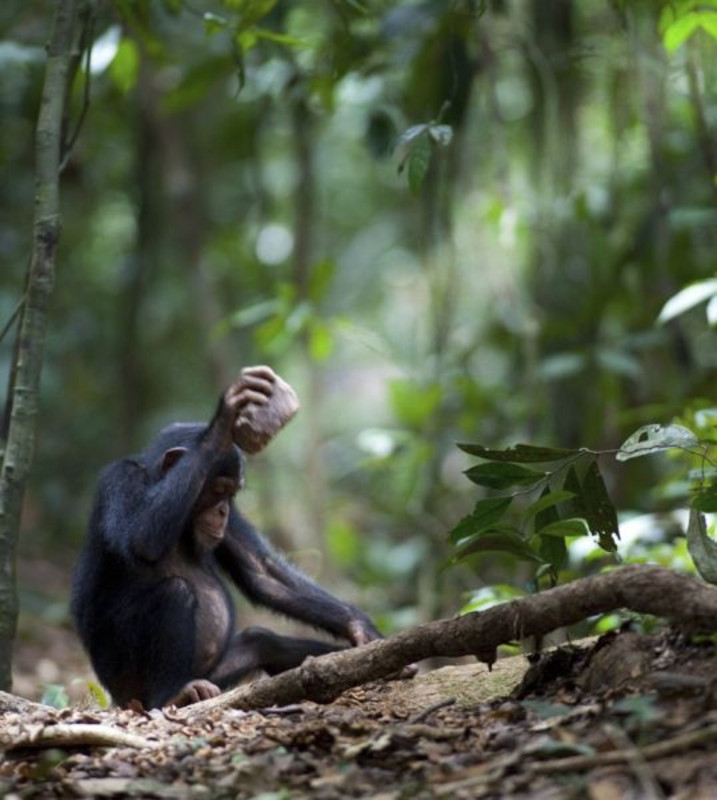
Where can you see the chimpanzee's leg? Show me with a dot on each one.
(258, 648)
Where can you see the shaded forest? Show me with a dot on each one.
(442, 222)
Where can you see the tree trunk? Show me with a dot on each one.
(23, 402)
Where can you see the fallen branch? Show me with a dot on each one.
(68, 735)
(12, 702)
(642, 589)
(669, 747)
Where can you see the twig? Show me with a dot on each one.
(629, 755)
(637, 761)
(67, 735)
(13, 317)
(422, 716)
(88, 24)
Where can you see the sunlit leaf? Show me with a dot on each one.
(279, 38)
(680, 31)
(124, 68)
(711, 311)
(414, 403)
(214, 22)
(702, 548)
(565, 527)
(520, 453)
(688, 298)
(655, 438)
(98, 694)
(442, 135)
(485, 514)
(502, 475)
(412, 133)
(321, 340)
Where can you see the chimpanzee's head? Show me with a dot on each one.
(210, 514)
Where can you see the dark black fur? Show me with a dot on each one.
(138, 623)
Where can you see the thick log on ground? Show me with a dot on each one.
(682, 600)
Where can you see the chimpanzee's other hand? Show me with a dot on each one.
(265, 404)
(194, 691)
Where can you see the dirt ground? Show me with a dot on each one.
(628, 716)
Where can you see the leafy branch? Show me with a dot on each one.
(570, 499)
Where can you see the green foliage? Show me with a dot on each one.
(416, 147)
(55, 695)
(581, 507)
(681, 19)
(689, 297)
(124, 68)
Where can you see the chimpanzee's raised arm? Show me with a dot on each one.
(152, 497)
(268, 580)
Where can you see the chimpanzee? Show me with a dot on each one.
(149, 597)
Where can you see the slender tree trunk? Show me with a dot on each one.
(17, 458)
(304, 234)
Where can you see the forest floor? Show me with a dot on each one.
(627, 716)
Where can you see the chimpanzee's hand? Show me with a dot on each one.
(265, 404)
(361, 631)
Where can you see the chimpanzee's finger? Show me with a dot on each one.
(246, 396)
(261, 371)
(258, 385)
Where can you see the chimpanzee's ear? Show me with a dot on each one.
(170, 458)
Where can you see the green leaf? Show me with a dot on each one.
(98, 694)
(213, 23)
(654, 439)
(55, 695)
(257, 312)
(321, 341)
(702, 548)
(520, 453)
(414, 403)
(256, 10)
(688, 298)
(546, 500)
(279, 38)
(485, 515)
(501, 476)
(411, 134)
(575, 526)
(705, 500)
(680, 31)
(499, 541)
(124, 68)
(322, 275)
(419, 160)
(598, 510)
(554, 550)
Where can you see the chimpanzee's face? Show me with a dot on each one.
(212, 511)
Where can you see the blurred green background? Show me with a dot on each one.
(249, 186)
